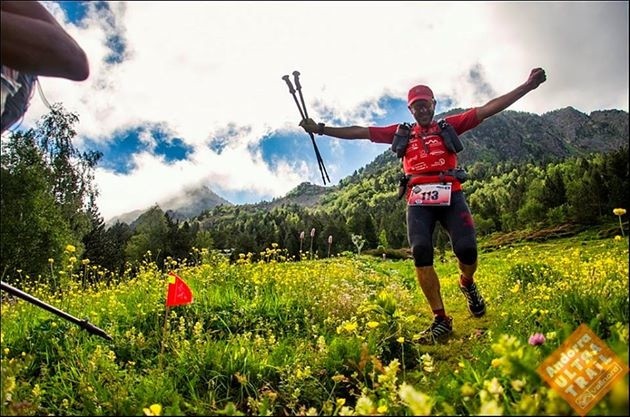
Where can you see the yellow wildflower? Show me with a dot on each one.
(493, 387)
(9, 384)
(517, 385)
(37, 390)
(490, 408)
(364, 406)
(153, 410)
(338, 378)
(350, 327)
(419, 403)
(467, 390)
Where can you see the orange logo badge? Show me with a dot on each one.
(582, 370)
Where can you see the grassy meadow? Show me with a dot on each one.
(268, 335)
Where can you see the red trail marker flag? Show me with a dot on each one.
(178, 291)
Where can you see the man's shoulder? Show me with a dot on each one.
(388, 129)
(385, 127)
(464, 120)
(460, 114)
(382, 134)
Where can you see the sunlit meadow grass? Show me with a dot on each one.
(267, 335)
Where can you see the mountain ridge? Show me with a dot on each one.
(509, 135)
(191, 202)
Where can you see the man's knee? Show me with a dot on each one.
(422, 255)
(466, 252)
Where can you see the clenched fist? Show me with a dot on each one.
(309, 125)
(536, 77)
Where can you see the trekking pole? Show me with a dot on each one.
(84, 324)
(320, 162)
(297, 103)
(298, 87)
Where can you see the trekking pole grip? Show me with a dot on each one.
(288, 81)
(296, 79)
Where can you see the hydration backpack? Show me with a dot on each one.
(447, 132)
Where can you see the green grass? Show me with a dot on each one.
(332, 336)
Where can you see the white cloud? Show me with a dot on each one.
(199, 66)
(154, 180)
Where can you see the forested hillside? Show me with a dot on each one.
(510, 196)
(526, 172)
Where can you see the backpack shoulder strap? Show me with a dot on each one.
(449, 135)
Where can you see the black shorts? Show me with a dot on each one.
(457, 221)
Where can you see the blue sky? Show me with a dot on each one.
(185, 94)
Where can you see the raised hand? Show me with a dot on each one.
(536, 77)
(309, 125)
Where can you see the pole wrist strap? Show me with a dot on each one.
(320, 128)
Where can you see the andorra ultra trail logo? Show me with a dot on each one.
(582, 370)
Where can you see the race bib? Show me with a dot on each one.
(430, 195)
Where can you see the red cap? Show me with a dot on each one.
(419, 92)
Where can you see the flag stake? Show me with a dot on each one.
(178, 293)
